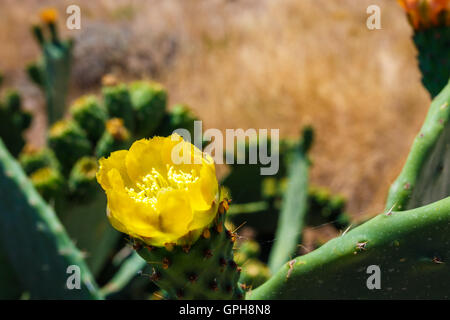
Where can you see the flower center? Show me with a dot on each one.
(154, 182)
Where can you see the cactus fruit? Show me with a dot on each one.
(115, 137)
(149, 102)
(34, 240)
(409, 247)
(90, 115)
(52, 72)
(425, 178)
(69, 143)
(431, 22)
(13, 122)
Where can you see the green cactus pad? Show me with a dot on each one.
(117, 101)
(425, 178)
(149, 102)
(90, 115)
(204, 270)
(52, 72)
(410, 248)
(35, 242)
(69, 143)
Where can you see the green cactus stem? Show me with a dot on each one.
(149, 100)
(52, 72)
(425, 178)
(204, 270)
(13, 122)
(410, 248)
(131, 268)
(294, 207)
(69, 143)
(90, 115)
(34, 240)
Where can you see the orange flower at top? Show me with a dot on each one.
(49, 15)
(426, 13)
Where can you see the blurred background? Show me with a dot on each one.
(253, 64)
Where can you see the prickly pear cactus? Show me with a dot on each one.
(13, 122)
(425, 178)
(34, 240)
(186, 243)
(149, 102)
(204, 270)
(52, 72)
(412, 263)
(90, 116)
(431, 22)
(294, 206)
(69, 143)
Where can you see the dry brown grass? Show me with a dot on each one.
(271, 64)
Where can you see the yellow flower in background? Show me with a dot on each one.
(426, 13)
(155, 198)
(49, 15)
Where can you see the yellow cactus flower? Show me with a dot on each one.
(49, 15)
(155, 197)
(427, 13)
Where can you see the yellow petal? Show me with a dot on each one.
(175, 212)
(143, 156)
(115, 161)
